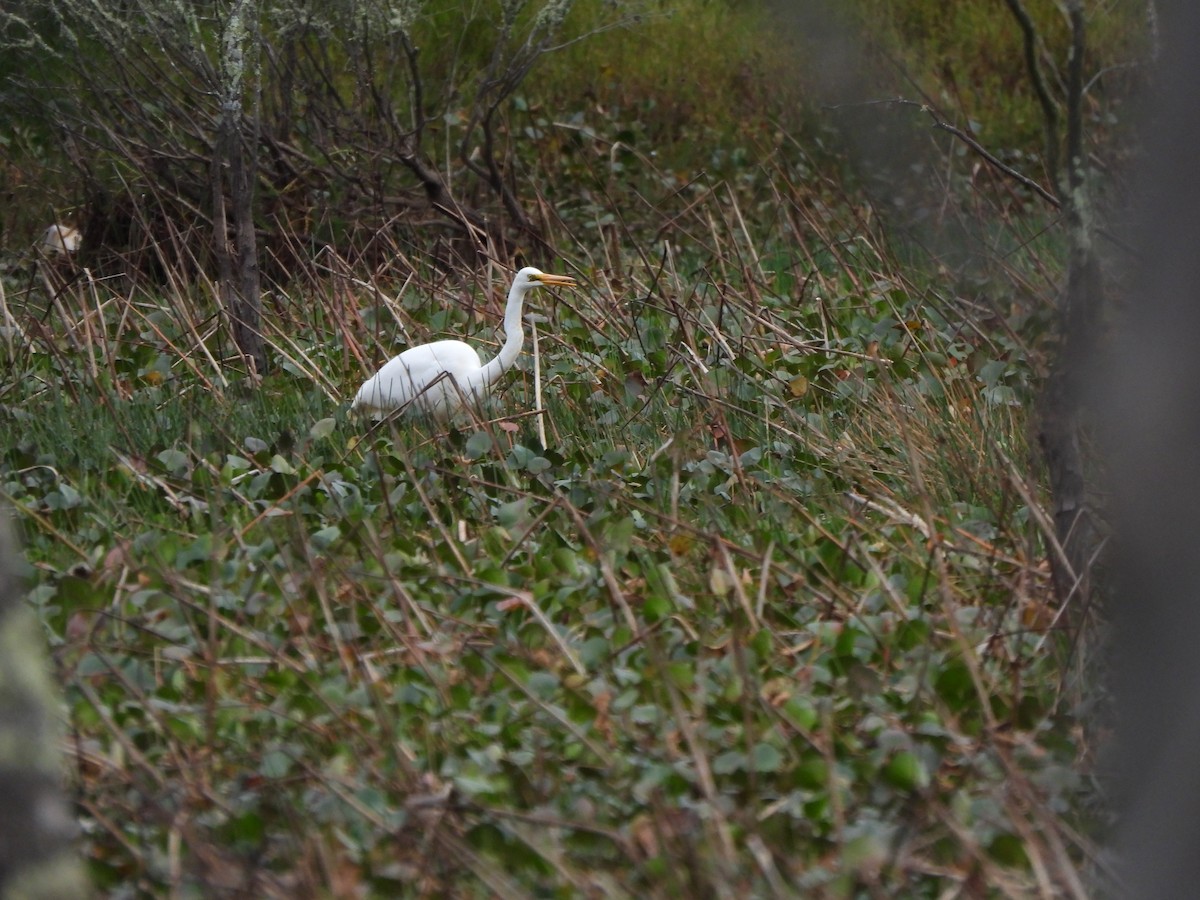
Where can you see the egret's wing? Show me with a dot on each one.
(427, 374)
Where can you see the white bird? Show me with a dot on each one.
(58, 239)
(437, 378)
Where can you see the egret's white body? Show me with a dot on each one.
(58, 239)
(438, 378)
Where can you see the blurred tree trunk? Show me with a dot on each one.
(233, 176)
(1149, 397)
(1062, 427)
(1064, 394)
(37, 829)
(1062, 424)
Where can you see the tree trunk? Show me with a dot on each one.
(37, 829)
(237, 256)
(1062, 425)
(1150, 404)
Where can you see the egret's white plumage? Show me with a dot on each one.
(437, 378)
(58, 239)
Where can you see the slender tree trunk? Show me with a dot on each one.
(1062, 412)
(1062, 427)
(237, 256)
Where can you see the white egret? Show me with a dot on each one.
(437, 378)
(58, 239)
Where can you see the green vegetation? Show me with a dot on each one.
(767, 614)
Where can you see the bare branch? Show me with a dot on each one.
(1049, 106)
(990, 158)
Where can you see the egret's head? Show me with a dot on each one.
(530, 277)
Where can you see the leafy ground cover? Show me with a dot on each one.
(738, 587)
(767, 612)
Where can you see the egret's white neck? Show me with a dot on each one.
(514, 337)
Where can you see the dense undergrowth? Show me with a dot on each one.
(760, 608)
(770, 606)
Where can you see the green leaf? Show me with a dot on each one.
(275, 764)
(322, 428)
(682, 674)
(326, 537)
(174, 461)
(282, 466)
(657, 607)
(955, 686)
(906, 771)
(812, 773)
(766, 757)
(543, 684)
(199, 550)
(1008, 849)
(479, 445)
(476, 783)
(729, 762)
(512, 513)
(65, 497)
(802, 713)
